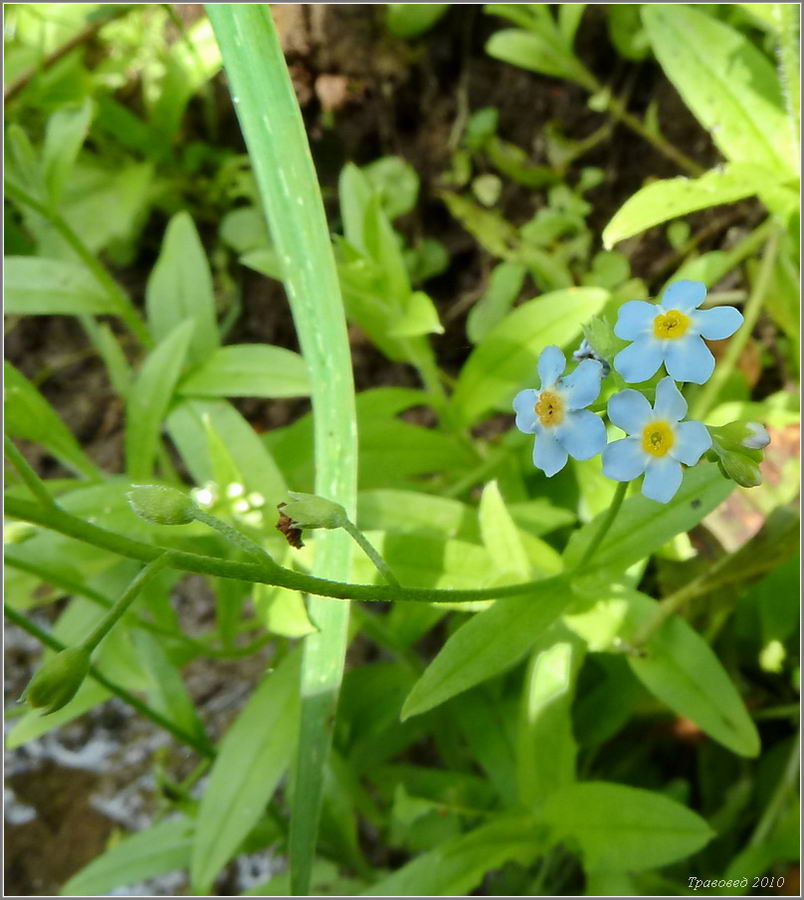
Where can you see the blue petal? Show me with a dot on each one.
(551, 365)
(669, 404)
(635, 318)
(582, 434)
(583, 385)
(624, 460)
(630, 411)
(692, 441)
(640, 360)
(524, 405)
(684, 295)
(662, 479)
(548, 454)
(718, 323)
(689, 359)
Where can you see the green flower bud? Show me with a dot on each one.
(311, 511)
(161, 505)
(737, 448)
(740, 469)
(57, 682)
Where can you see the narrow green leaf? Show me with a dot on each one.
(537, 53)
(504, 286)
(624, 828)
(179, 289)
(489, 643)
(642, 526)
(167, 693)
(249, 370)
(506, 358)
(546, 747)
(501, 536)
(149, 398)
(253, 756)
(274, 132)
(681, 669)
(31, 417)
(49, 287)
(457, 867)
(162, 848)
(664, 200)
(729, 84)
(64, 136)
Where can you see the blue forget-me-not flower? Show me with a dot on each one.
(672, 333)
(556, 412)
(658, 441)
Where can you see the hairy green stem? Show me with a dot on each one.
(125, 308)
(605, 525)
(48, 640)
(371, 553)
(140, 581)
(264, 573)
(709, 394)
(26, 472)
(233, 535)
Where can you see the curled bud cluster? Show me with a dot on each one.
(308, 511)
(737, 449)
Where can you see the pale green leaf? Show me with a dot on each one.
(30, 416)
(47, 287)
(489, 643)
(149, 398)
(162, 848)
(661, 201)
(249, 370)
(179, 289)
(624, 828)
(681, 669)
(253, 756)
(505, 360)
(730, 85)
(457, 866)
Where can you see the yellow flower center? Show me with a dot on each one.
(657, 438)
(550, 408)
(671, 325)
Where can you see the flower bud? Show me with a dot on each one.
(59, 679)
(737, 448)
(311, 511)
(161, 505)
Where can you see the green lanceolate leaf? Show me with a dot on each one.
(51, 287)
(180, 289)
(664, 200)
(730, 85)
(249, 370)
(505, 360)
(624, 828)
(489, 643)
(253, 756)
(457, 866)
(164, 847)
(274, 132)
(681, 669)
(30, 416)
(149, 398)
(643, 525)
(538, 53)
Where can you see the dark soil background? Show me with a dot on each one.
(381, 96)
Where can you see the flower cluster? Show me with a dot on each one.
(658, 442)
